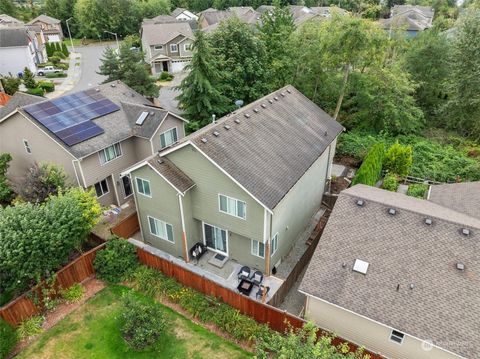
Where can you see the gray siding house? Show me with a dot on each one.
(246, 186)
(134, 131)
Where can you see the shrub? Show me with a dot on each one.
(10, 84)
(390, 182)
(30, 327)
(398, 159)
(54, 75)
(37, 91)
(142, 323)
(74, 293)
(418, 190)
(6, 191)
(55, 59)
(59, 54)
(48, 86)
(65, 50)
(371, 168)
(49, 48)
(117, 261)
(42, 181)
(165, 76)
(8, 338)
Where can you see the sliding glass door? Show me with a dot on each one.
(216, 238)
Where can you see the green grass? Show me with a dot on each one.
(92, 331)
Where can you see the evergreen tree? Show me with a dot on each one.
(48, 48)
(29, 78)
(65, 50)
(8, 7)
(201, 96)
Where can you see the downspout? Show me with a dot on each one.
(328, 174)
(184, 234)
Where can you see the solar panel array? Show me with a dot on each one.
(70, 117)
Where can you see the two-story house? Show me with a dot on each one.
(94, 134)
(245, 186)
(51, 27)
(19, 48)
(184, 14)
(167, 45)
(411, 18)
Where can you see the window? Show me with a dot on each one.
(27, 147)
(127, 186)
(258, 248)
(215, 238)
(110, 153)
(397, 337)
(173, 48)
(274, 244)
(161, 229)
(101, 188)
(232, 206)
(168, 137)
(143, 187)
(158, 47)
(187, 47)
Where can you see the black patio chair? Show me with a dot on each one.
(257, 278)
(261, 288)
(198, 250)
(244, 273)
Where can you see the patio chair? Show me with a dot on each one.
(260, 291)
(257, 278)
(198, 250)
(244, 273)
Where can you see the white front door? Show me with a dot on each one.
(215, 238)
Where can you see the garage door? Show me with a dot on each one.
(53, 38)
(178, 65)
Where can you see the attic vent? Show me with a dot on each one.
(247, 115)
(392, 211)
(360, 266)
(428, 221)
(255, 110)
(216, 133)
(271, 101)
(204, 140)
(460, 266)
(141, 118)
(360, 202)
(237, 120)
(227, 127)
(263, 105)
(465, 231)
(289, 91)
(275, 98)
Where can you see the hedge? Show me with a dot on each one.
(47, 86)
(371, 168)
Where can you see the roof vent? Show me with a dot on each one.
(216, 133)
(326, 133)
(283, 94)
(237, 120)
(465, 231)
(360, 266)
(152, 113)
(360, 202)
(263, 105)
(412, 286)
(392, 211)
(141, 118)
(97, 90)
(270, 100)
(112, 85)
(275, 98)
(227, 127)
(289, 91)
(460, 266)
(428, 221)
(204, 140)
(247, 115)
(255, 110)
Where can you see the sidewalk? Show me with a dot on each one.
(73, 76)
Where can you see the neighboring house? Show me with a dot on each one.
(462, 197)
(167, 45)
(184, 15)
(246, 186)
(51, 27)
(19, 48)
(398, 275)
(411, 18)
(210, 19)
(19, 99)
(94, 134)
(9, 20)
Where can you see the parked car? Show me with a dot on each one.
(48, 70)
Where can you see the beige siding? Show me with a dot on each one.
(372, 335)
(169, 122)
(294, 211)
(108, 198)
(44, 149)
(143, 148)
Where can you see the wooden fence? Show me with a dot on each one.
(75, 272)
(128, 227)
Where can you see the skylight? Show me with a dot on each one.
(141, 118)
(360, 266)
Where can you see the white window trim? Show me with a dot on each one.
(236, 200)
(165, 228)
(27, 147)
(187, 47)
(103, 150)
(271, 244)
(171, 50)
(164, 132)
(205, 238)
(108, 187)
(255, 254)
(391, 334)
(136, 186)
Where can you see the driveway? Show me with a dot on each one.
(167, 94)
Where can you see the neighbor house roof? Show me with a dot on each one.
(413, 18)
(18, 100)
(462, 197)
(412, 283)
(268, 145)
(14, 36)
(160, 19)
(162, 33)
(46, 19)
(178, 11)
(171, 173)
(426, 11)
(7, 20)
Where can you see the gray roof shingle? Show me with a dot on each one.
(161, 33)
(462, 197)
(14, 36)
(19, 99)
(268, 152)
(172, 173)
(402, 249)
(46, 19)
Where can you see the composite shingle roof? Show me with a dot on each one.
(462, 197)
(171, 173)
(269, 144)
(18, 100)
(14, 36)
(434, 300)
(46, 19)
(161, 33)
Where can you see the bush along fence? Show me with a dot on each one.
(32, 302)
(371, 168)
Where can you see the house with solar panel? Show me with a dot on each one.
(243, 187)
(94, 134)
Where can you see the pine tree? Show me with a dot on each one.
(29, 78)
(201, 96)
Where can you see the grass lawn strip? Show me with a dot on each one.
(92, 331)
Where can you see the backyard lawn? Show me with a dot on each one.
(92, 331)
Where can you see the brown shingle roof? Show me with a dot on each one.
(171, 173)
(402, 250)
(462, 197)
